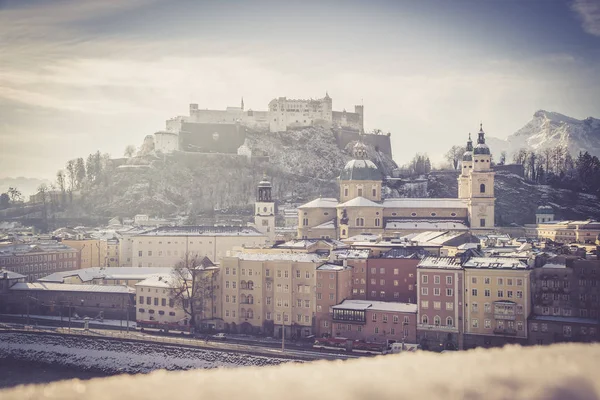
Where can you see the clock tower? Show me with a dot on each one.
(264, 209)
(481, 200)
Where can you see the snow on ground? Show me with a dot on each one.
(111, 356)
(106, 322)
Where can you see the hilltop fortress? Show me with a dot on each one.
(224, 131)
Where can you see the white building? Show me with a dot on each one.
(154, 306)
(168, 245)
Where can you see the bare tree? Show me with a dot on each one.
(193, 288)
(454, 155)
(129, 151)
(15, 195)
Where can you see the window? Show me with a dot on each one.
(474, 280)
(395, 319)
(534, 327)
(448, 280)
(374, 192)
(475, 323)
(474, 292)
(374, 317)
(377, 222)
(487, 324)
(487, 308)
(330, 296)
(424, 304)
(163, 302)
(482, 188)
(482, 222)
(382, 282)
(424, 279)
(436, 279)
(544, 328)
(500, 293)
(509, 293)
(487, 293)
(519, 294)
(449, 321)
(519, 325)
(437, 305)
(509, 282)
(474, 307)
(424, 320)
(486, 281)
(449, 292)
(567, 330)
(424, 291)
(141, 301)
(519, 282)
(500, 281)
(436, 291)
(449, 305)
(396, 282)
(437, 321)
(396, 271)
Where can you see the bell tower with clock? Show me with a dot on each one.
(264, 209)
(481, 200)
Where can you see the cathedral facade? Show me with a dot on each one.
(361, 207)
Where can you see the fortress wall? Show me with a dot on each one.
(215, 116)
(381, 142)
(347, 120)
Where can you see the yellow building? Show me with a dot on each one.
(94, 252)
(265, 291)
(361, 208)
(497, 301)
(565, 231)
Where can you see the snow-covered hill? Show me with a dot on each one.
(550, 129)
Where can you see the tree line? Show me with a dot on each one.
(556, 166)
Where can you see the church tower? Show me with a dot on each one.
(466, 166)
(481, 186)
(264, 209)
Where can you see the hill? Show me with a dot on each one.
(517, 199)
(302, 164)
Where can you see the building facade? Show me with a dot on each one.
(167, 246)
(334, 285)
(94, 252)
(38, 260)
(440, 303)
(497, 301)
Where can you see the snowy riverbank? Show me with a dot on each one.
(112, 356)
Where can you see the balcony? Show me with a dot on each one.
(505, 331)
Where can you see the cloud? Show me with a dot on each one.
(589, 13)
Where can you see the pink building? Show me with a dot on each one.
(334, 285)
(440, 301)
(393, 277)
(375, 321)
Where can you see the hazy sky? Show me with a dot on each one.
(80, 76)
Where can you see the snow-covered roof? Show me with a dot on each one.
(440, 262)
(363, 237)
(202, 231)
(158, 281)
(363, 170)
(59, 287)
(424, 203)
(495, 262)
(321, 202)
(352, 254)
(332, 267)
(116, 273)
(10, 274)
(296, 257)
(553, 265)
(568, 320)
(35, 247)
(466, 246)
(326, 225)
(360, 202)
(422, 224)
(363, 305)
(306, 243)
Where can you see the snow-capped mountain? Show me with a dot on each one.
(550, 129)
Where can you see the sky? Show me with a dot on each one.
(86, 75)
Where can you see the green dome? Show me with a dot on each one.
(360, 170)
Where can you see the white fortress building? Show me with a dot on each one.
(282, 114)
(362, 209)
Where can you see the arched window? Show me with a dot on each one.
(482, 188)
(343, 232)
(250, 314)
(377, 222)
(424, 320)
(437, 321)
(360, 222)
(243, 299)
(243, 285)
(250, 299)
(449, 321)
(359, 192)
(345, 192)
(250, 285)
(374, 192)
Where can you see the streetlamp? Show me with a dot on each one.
(283, 333)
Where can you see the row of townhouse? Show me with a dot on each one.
(485, 301)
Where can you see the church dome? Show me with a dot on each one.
(481, 147)
(264, 182)
(360, 170)
(544, 210)
(468, 156)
